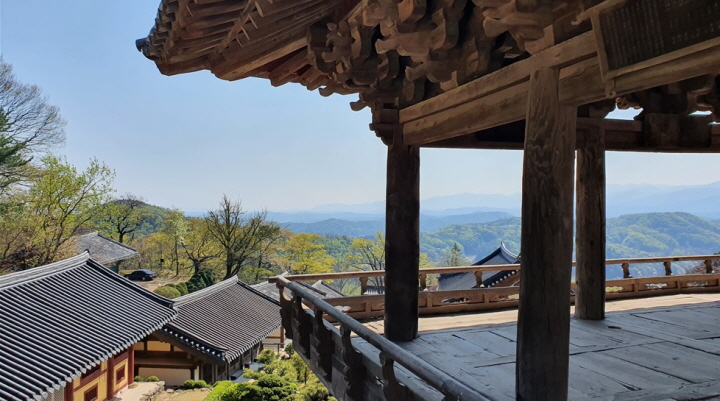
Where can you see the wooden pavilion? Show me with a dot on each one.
(532, 75)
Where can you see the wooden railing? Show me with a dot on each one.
(333, 354)
(478, 299)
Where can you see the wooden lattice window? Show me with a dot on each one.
(92, 394)
(120, 375)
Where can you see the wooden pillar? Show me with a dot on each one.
(402, 239)
(546, 234)
(131, 364)
(590, 227)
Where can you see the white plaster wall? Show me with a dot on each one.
(171, 377)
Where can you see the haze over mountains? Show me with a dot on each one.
(467, 208)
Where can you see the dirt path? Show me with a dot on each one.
(183, 396)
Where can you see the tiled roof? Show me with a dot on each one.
(322, 289)
(59, 320)
(224, 320)
(466, 281)
(104, 250)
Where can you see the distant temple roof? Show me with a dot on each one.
(465, 281)
(322, 289)
(60, 320)
(104, 250)
(225, 320)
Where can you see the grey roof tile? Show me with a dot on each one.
(466, 281)
(102, 249)
(224, 320)
(59, 320)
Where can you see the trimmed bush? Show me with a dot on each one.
(267, 356)
(289, 350)
(153, 379)
(219, 390)
(167, 292)
(182, 287)
(189, 384)
(139, 379)
(200, 384)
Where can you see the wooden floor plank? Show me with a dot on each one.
(674, 361)
(631, 375)
(591, 383)
(489, 341)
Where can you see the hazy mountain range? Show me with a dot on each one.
(441, 211)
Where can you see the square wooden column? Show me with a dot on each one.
(402, 239)
(546, 249)
(590, 227)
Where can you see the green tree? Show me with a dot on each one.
(58, 203)
(199, 245)
(28, 126)
(242, 236)
(123, 216)
(175, 227)
(300, 254)
(454, 257)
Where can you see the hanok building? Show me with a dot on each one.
(219, 331)
(533, 75)
(486, 278)
(104, 250)
(67, 331)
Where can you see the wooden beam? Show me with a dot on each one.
(620, 136)
(402, 242)
(546, 246)
(590, 227)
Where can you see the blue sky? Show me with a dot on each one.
(185, 140)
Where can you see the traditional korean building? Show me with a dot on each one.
(67, 331)
(104, 250)
(219, 330)
(468, 280)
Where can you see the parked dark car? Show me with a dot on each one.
(141, 275)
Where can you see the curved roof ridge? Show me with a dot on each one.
(200, 294)
(507, 252)
(258, 293)
(111, 240)
(37, 273)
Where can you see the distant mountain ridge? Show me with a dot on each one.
(338, 227)
(700, 200)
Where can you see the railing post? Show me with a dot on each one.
(668, 269)
(285, 312)
(301, 328)
(708, 266)
(323, 346)
(392, 388)
(478, 279)
(363, 285)
(354, 371)
(626, 270)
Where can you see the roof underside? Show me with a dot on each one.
(59, 320)
(225, 320)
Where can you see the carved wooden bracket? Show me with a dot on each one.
(354, 370)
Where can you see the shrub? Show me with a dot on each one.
(200, 384)
(167, 292)
(139, 379)
(267, 356)
(219, 390)
(182, 287)
(289, 350)
(189, 384)
(315, 392)
(153, 379)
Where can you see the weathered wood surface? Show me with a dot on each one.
(667, 348)
(546, 249)
(402, 239)
(590, 227)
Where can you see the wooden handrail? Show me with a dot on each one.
(434, 377)
(465, 269)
